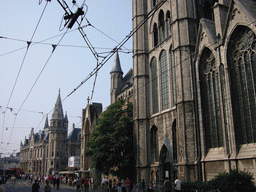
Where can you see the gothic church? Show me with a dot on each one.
(193, 88)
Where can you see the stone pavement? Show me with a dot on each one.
(24, 186)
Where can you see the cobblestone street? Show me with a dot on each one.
(23, 186)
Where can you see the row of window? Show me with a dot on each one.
(241, 54)
(160, 81)
(241, 57)
(154, 143)
(162, 29)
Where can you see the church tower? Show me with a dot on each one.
(58, 129)
(166, 135)
(116, 79)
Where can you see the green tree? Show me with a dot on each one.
(111, 143)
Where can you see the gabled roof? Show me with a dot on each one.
(41, 136)
(73, 136)
(128, 79)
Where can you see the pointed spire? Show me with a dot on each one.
(58, 111)
(46, 125)
(66, 116)
(117, 66)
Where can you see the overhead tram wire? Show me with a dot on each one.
(110, 54)
(54, 48)
(41, 42)
(21, 67)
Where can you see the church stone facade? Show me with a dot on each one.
(47, 151)
(194, 75)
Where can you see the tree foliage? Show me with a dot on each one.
(111, 143)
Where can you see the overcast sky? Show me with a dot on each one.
(30, 77)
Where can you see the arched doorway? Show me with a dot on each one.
(165, 165)
(50, 171)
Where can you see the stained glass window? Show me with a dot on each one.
(164, 81)
(154, 85)
(162, 35)
(173, 82)
(242, 66)
(154, 143)
(210, 99)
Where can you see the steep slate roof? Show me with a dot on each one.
(93, 110)
(116, 65)
(41, 136)
(249, 6)
(58, 111)
(128, 79)
(74, 134)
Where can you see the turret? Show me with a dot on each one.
(116, 78)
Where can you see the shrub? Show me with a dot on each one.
(239, 181)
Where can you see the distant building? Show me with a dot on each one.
(11, 162)
(47, 151)
(89, 116)
(121, 87)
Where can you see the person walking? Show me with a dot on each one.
(128, 184)
(143, 185)
(86, 184)
(35, 186)
(104, 183)
(58, 182)
(177, 183)
(78, 184)
(47, 187)
(167, 185)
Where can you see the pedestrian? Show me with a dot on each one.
(177, 183)
(86, 184)
(139, 186)
(58, 182)
(143, 185)
(110, 185)
(123, 185)
(127, 184)
(150, 189)
(78, 184)
(47, 187)
(35, 186)
(104, 183)
(167, 185)
(119, 185)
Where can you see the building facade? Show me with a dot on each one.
(89, 117)
(194, 88)
(47, 151)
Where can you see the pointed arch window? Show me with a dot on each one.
(162, 35)
(155, 31)
(154, 143)
(154, 2)
(242, 65)
(210, 100)
(173, 78)
(174, 142)
(154, 85)
(164, 80)
(168, 23)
